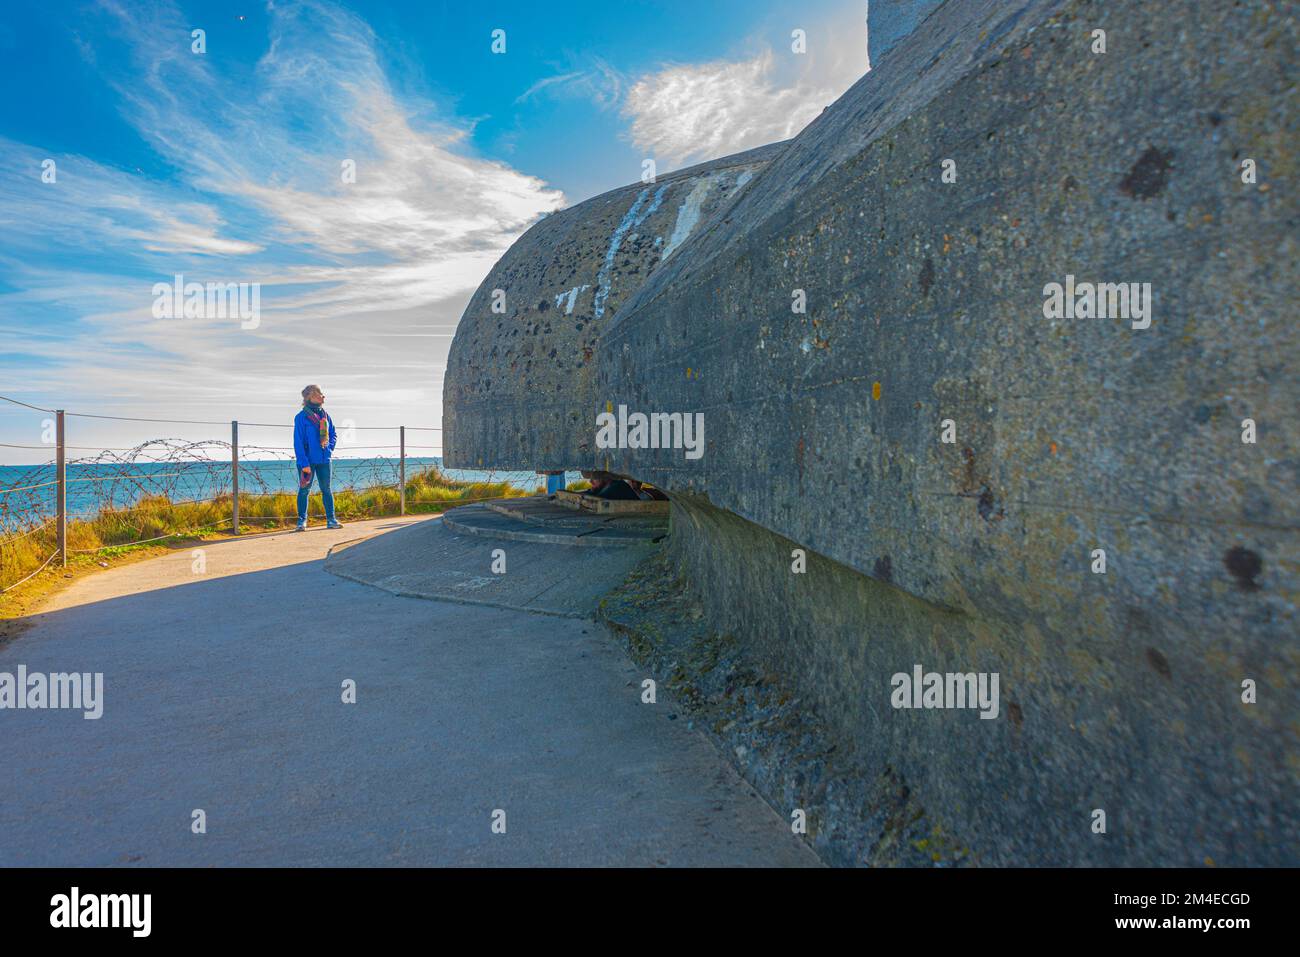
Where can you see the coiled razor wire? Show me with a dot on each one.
(171, 473)
(175, 472)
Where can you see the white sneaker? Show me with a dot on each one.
(333, 524)
(302, 527)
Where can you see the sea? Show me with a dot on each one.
(94, 486)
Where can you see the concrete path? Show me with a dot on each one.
(222, 692)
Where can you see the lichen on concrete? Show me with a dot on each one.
(856, 815)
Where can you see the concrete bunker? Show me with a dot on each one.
(925, 306)
(521, 375)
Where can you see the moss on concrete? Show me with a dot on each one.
(856, 816)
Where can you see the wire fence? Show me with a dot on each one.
(162, 488)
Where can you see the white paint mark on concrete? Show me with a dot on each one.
(688, 214)
(474, 583)
(616, 240)
(572, 297)
(866, 30)
(654, 205)
(633, 217)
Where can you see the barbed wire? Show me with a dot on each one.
(26, 488)
(226, 422)
(173, 472)
(127, 486)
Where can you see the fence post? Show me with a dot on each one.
(61, 492)
(234, 476)
(401, 468)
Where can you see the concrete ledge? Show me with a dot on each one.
(546, 511)
(604, 506)
(433, 560)
(483, 522)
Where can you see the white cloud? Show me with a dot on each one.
(687, 112)
(90, 205)
(346, 269)
(711, 109)
(321, 97)
(690, 112)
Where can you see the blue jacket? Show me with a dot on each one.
(306, 441)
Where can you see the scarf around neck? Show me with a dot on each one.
(322, 420)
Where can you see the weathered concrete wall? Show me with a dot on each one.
(925, 303)
(520, 383)
(889, 21)
(1071, 434)
(1134, 723)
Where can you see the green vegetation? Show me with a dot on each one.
(114, 533)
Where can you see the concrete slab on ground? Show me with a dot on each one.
(547, 522)
(546, 569)
(545, 511)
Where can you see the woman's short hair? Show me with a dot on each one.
(308, 390)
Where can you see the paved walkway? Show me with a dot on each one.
(222, 691)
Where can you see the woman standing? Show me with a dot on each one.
(313, 443)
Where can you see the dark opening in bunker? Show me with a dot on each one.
(612, 487)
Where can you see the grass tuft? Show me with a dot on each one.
(118, 531)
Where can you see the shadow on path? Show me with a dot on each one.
(224, 694)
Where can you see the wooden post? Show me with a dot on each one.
(61, 491)
(234, 476)
(401, 467)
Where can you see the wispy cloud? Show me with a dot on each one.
(685, 112)
(258, 196)
(593, 80)
(87, 205)
(689, 112)
(706, 110)
(320, 98)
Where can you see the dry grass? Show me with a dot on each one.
(112, 533)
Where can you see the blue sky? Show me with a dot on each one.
(225, 166)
